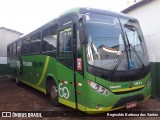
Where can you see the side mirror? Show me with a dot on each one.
(82, 31)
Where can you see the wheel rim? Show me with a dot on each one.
(53, 92)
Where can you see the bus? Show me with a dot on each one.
(88, 59)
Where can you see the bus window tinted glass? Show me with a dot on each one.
(8, 51)
(65, 51)
(26, 46)
(65, 40)
(50, 39)
(14, 49)
(19, 46)
(36, 43)
(78, 42)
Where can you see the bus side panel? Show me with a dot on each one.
(25, 68)
(50, 70)
(80, 91)
(35, 68)
(13, 65)
(66, 86)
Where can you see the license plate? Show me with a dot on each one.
(131, 105)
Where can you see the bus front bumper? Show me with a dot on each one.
(99, 109)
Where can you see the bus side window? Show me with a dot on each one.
(65, 49)
(49, 42)
(14, 49)
(19, 46)
(26, 46)
(8, 51)
(36, 43)
(65, 41)
(11, 51)
(79, 54)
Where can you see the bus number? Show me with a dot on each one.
(63, 91)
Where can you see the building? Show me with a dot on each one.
(6, 36)
(146, 11)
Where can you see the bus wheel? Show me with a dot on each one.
(17, 79)
(53, 93)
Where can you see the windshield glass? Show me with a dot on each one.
(109, 46)
(135, 41)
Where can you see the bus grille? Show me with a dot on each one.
(123, 101)
(121, 78)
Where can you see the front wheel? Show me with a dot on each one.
(53, 93)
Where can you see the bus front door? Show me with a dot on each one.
(65, 67)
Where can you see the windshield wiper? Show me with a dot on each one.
(130, 46)
(121, 56)
(118, 63)
(139, 58)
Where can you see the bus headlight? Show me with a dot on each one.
(98, 88)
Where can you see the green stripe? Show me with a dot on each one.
(81, 107)
(34, 86)
(128, 89)
(44, 71)
(67, 102)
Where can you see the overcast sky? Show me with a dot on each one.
(27, 15)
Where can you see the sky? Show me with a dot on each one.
(27, 15)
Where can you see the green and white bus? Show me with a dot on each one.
(88, 59)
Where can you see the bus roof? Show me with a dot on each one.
(78, 11)
(82, 10)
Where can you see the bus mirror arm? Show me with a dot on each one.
(82, 30)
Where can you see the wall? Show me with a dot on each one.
(6, 36)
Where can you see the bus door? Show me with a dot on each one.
(65, 67)
(79, 75)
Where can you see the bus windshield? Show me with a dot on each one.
(115, 43)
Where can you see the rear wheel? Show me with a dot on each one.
(53, 93)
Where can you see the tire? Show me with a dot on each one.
(53, 94)
(17, 79)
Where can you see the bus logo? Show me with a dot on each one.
(6, 114)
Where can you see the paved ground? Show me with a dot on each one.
(25, 98)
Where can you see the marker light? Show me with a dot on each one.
(98, 88)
